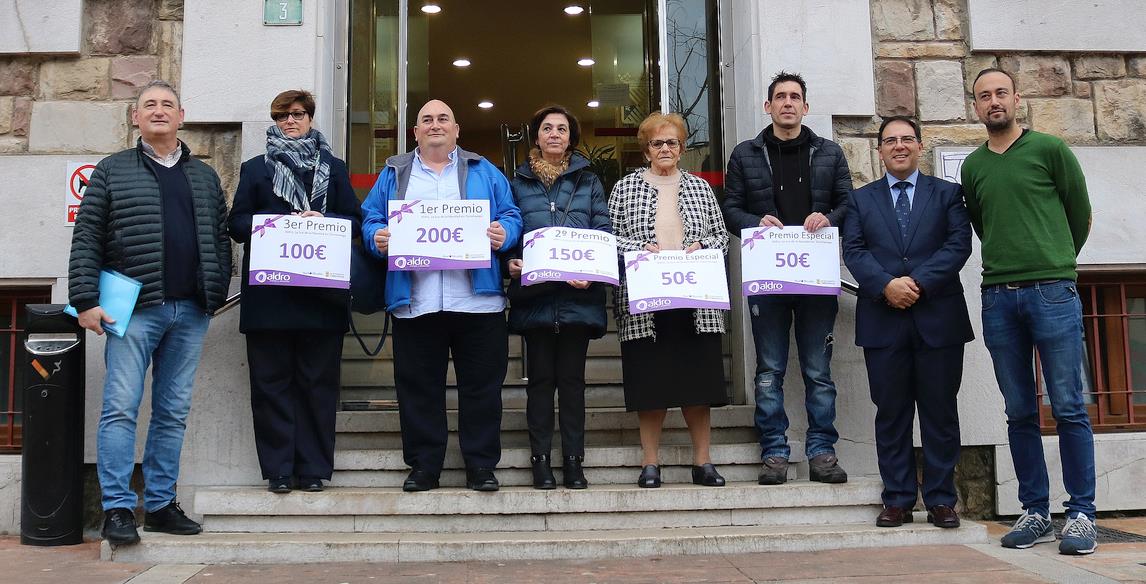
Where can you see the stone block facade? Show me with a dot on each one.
(925, 67)
(80, 103)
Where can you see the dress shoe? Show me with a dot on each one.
(170, 519)
(706, 475)
(825, 468)
(942, 516)
(650, 477)
(420, 480)
(573, 476)
(481, 479)
(774, 471)
(542, 472)
(310, 484)
(119, 527)
(279, 485)
(893, 517)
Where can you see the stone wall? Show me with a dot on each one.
(80, 103)
(925, 65)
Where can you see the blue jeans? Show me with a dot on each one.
(171, 335)
(815, 318)
(1047, 317)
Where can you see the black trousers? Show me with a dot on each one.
(556, 361)
(479, 344)
(295, 379)
(902, 377)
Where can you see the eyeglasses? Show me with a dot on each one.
(671, 143)
(893, 140)
(298, 116)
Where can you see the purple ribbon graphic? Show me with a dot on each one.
(396, 216)
(750, 243)
(260, 230)
(537, 235)
(641, 257)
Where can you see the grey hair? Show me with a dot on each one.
(160, 84)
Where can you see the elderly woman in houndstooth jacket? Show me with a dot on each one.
(670, 358)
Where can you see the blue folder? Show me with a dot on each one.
(117, 296)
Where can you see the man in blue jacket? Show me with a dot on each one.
(439, 313)
(906, 236)
(790, 176)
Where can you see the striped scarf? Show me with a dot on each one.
(287, 156)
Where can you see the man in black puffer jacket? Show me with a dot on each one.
(790, 176)
(157, 215)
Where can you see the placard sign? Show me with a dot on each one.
(282, 12)
(675, 279)
(288, 250)
(439, 235)
(79, 175)
(790, 260)
(567, 253)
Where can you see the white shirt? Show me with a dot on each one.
(443, 290)
(911, 180)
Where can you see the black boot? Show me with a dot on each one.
(542, 473)
(574, 475)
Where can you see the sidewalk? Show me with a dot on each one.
(976, 564)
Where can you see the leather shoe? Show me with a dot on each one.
(119, 527)
(650, 477)
(542, 472)
(420, 480)
(279, 485)
(893, 517)
(573, 475)
(481, 479)
(310, 484)
(170, 519)
(943, 516)
(706, 475)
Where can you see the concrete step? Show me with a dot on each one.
(268, 548)
(604, 394)
(606, 346)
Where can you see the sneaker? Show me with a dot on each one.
(825, 468)
(1028, 530)
(1079, 536)
(170, 519)
(119, 527)
(774, 471)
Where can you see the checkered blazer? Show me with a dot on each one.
(633, 211)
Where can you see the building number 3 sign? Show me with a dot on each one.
(282, 12)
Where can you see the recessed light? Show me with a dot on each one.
(593, 103)
(485, 104)
(586, 62)
(431, 8)
(462, 63)
(573, 10)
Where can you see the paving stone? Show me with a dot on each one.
(972, 65)
(903, 20)
(1039, 75)
(170, 51)
(130, 73)
(21, 116)
(84, 78)
(940, 88)
(1070, 119)
(78, 127)
(7, 108)
(170, 9)
(1121, 109)
(949, 18)
(860, 153)
(895, 88)
(920, 50)
(1137, 66)
(13, 145)
(1083, 89)
(119, 27)
(1099, 67)
(17, 76)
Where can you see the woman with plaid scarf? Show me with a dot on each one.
(670, 358)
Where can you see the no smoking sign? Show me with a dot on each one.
(79, 175)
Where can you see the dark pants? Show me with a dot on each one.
(479, 344)
(556, 361)
(902, 377)
(294, 399)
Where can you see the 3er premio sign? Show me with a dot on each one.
(79, 175)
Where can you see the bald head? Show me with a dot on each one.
(436, 129)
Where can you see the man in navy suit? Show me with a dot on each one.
(906, 236)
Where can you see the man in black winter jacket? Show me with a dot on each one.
(155, 214)
(790, 176)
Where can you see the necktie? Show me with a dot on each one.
(902, 207)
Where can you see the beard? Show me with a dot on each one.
(998, 125)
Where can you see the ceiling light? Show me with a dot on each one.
(431, 8)
(586, 62)
(573, 10)
(485, 104)
(593, 103)
(461, 63)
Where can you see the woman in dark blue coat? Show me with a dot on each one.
(555, 187)
(294, 335)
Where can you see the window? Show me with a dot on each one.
(1114, 323)
(12, 320)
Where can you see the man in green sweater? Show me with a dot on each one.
(1028, 203)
